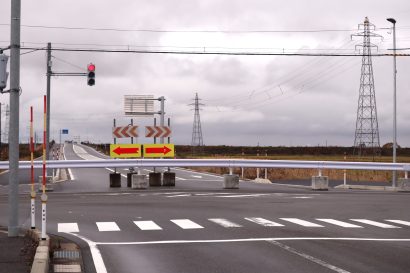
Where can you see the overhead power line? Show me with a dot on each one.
(209, 52)
(183, 31)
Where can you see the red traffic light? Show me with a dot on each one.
(91, 67)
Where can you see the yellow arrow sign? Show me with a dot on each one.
(159, 150)
(125, 150)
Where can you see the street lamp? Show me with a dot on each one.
(393, 21)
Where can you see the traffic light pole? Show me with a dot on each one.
(13, 226)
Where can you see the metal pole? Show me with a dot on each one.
(393, 21)
(33, 192)
(13, 226)
(162, 118)
(344, 173)
(132, 138)
(48, 101)
(169, 138)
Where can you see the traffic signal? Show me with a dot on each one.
(3, 71)
(91, 74)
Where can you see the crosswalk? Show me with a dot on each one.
(247, 222)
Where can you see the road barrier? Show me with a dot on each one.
(227, 163)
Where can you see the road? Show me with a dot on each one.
(199, 227)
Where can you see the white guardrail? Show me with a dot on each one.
(228, 163)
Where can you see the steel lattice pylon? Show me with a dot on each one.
(197, 142)
(367, 130)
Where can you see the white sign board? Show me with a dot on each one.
(139, 105)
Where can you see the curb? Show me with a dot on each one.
(42, 257)
(366, 187)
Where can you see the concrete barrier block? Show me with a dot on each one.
(231, 181)
(168, 179)
(139, 181)
(129, 179)
(115, 180)
(403, 184)
(155, 179)
(320, 183)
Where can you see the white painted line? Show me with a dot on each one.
(147, 225)
(405, 223)
(224, 222)
(308, 257)
(301, 222)
(180, 195)
(67, 227)
(69, 170)
(258, 240)
(245, 195)
(196, 176)
(95, 254)
(186, 224)
(180, 178)
(374, 223)
(113, 171)
(107, 226)
(302, 197)
(189, 171)
(264, 222)
(339, 223)
(151, 171)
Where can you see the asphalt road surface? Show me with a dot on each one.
(199, 227)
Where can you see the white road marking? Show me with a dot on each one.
(189, 171)
(179, 178)
(150, 171)
(339, 223)
(67, 227)
(301, 222)
(302, 197)
(186, 224)
(95, 254)
(83, 153)
(224, 222)
(308, 257)
(70, 173)
(246, 195)
(405, 223)
(258, 240)
(107, 226)
(113, 171)
(196, 176)
(374, 223)
(180, 195)
(147, 225)
(263, 222)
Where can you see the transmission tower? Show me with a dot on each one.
(367, 129)
(197, 142)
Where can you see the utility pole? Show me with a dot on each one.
(394, 178)
(13, 225)
(48, 102)
(162, 116)
(197, 142)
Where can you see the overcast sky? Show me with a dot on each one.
(248, 100)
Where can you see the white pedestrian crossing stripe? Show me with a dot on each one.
(263, 222)
(224, 222)
(67, 227)
(339, 223)
(405, 223)
(374, 223)
(147, 225)
(301, 222)
(186, 224)
(107, 226)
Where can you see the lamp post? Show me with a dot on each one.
(393, 21)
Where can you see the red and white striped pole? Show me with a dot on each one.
(44, 196)
(33, 192)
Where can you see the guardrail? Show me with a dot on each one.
(228, 163)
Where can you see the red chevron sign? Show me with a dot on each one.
(127, 131)
(157, 131)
